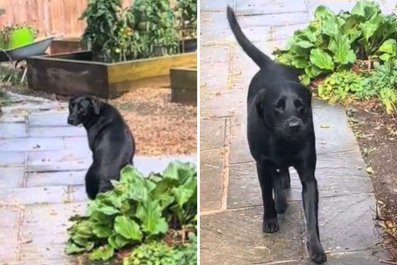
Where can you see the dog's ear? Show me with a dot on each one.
(96, 105)
(259, 101)
(261, 109)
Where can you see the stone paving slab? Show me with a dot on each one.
(44, 247)
(59, 160)
(57, 131)
(211, 179)
(12, 158)
(11, 178)
(31, 144)
(235, 237)
(9, 227)
(250, 7)
(36, 195)
(211, 134)
(60, 178)
(48, 119)
(280, 19)
(13, 130)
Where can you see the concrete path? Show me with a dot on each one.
(231, 208)
(43, 162)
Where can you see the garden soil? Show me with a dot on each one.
(376, 133)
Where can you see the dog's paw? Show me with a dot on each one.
(281, 206)
(317, 254)
(270, 225)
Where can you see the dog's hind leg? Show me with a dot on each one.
(270, 223)
(286, 179)
(91, 182)
(280, 193)
(310, 206)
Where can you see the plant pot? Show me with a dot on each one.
(21, 37)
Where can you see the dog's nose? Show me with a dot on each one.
(70, 120)
(294, 125)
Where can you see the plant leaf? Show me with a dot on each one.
(389, 46)
(321, 59)
(128, 228)
(340, 47)
(72, 248)
(117, 241)
(102, 253)
(150, 214)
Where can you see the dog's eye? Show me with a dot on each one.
(299, 105)
(280, 105)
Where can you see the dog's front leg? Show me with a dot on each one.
(310, 205)
(270, 223)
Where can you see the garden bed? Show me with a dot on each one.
(376, 133)
(77, 73)
(66, 45)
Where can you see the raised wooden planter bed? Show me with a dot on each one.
(76, 73)
(66, 45)
(184, 84)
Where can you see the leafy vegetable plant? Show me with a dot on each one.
(162, 254)
(384, 80)
(333, 42)
(139, 209)
(342, 86)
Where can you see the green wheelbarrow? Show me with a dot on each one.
(21, 53)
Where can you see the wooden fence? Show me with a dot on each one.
(50, 17)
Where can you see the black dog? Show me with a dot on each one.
(281, 135)
(109, 139)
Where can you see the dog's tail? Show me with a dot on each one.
(256, 55)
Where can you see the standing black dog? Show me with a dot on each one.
(109, 139)
(281, 135)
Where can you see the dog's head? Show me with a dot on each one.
(285, 109)
(82, 109)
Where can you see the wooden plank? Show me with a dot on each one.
(67, 78)
(147, 68)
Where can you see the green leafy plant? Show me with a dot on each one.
(106, 28)
(384, 80)
(156, 27)
(162, 254)
(139, 209)
(334, 42)
(146, 29)
(342, 86)
(187, 13)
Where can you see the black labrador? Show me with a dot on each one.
(280, 135)
(109, 138)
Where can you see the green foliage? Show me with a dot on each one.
(384, 80)
(162, 254)
(342, 86)
(146, 29)
(187, 10)
(347, 85)
(139, 209)
(155, 29)
(333, 42)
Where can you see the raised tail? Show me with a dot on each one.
(256, 55)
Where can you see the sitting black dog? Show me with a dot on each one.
(280, 135)
(109, 139)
